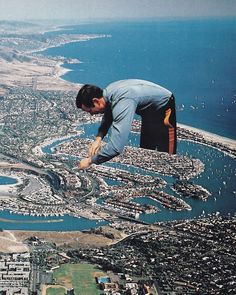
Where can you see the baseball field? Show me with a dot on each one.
(80, 277)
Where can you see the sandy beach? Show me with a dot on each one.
(211, 136)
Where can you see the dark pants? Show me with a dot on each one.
(158, 131)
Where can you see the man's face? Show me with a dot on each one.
(98, 108)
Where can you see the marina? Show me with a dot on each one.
(214, 203)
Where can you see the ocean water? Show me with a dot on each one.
(194, 58)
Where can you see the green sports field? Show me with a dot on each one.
(56, 291)
(81, 277)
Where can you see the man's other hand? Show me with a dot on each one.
(85, 163)
(95, 146)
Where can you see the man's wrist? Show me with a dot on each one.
(98, 138)
(100, 134)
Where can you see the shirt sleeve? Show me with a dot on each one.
(123, 114)
(105, 123)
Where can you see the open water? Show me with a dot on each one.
(5, 180)
(194, 58)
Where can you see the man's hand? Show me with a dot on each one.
(95, 146)
(85, 163)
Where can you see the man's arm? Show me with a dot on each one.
(102, 131)
(123, 114)
(105, 123)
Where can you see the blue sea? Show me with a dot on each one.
(195, 59)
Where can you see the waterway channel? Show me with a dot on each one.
(218, 178)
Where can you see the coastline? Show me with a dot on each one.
(230, 143)
(48, 72)
(29, 68)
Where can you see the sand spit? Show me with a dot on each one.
(211, 136)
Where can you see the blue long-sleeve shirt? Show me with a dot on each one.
(123, 99)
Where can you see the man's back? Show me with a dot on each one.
(144, 93)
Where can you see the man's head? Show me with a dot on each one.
(90, 99)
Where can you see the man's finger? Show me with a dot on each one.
(93, 150)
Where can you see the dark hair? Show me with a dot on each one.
(86, 94)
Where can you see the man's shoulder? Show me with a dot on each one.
(127, 82)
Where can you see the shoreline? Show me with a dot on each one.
(62, 71)
(41, 67)
(45, 68)
(220, 141)
(213, 136)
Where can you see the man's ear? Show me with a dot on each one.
(95, 100)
